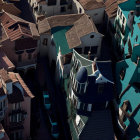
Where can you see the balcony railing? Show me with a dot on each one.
(24, 64)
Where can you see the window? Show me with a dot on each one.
(63, 9)
(131, 32)
(139, 128)
(16, 106)
(16, 117)
(118, 11)
(79, 50)
(40, 8)
(92, 36)
(89, 107)
(123, 20)
(136, 38)
(93, 49)
(100, 88)
(78, 105)
(80, 10)
(86, 49)
(129, 47)
(19, 58)
(121, 15)
(17, 135)
(82, 87)
(45, 41)
(29, 56)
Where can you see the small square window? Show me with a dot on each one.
(63, 9)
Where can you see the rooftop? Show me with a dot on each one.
(98, 126)
(83, 26)
(60, 39)
(131, 94)
(4, 75)
(92, 4)
(9, 8)
(5, 62)
(16, 27)
(54, 21)
(112, 7)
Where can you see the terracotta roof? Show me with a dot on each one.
(5, 62)
(112, 7)
(91, 4)
(3, 131)
(16, 27)
(81, 27)
(59, 20)
(16, 96)
(10, 8)
(13, 77)
(4, 75)
(26, 89)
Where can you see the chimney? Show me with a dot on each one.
(130, 21)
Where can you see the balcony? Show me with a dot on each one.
(26, 64)
(2, 113)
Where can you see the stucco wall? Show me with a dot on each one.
(26, 105)
(9, 49)
(97, 15)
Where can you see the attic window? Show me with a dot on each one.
(100, 88)
(92, 36)
(7, 22)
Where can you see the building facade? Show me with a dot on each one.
(127, 25)
(19, 41)
(93, 8)
(15, 103)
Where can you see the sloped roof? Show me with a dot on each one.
(10, 8)
(59, 20)
(5, 62)
(83, 26)
(28, 93)
(91, 4)
(105, 69)
(99, 126)
(16, 27)
(112, 7)
(5, 76)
